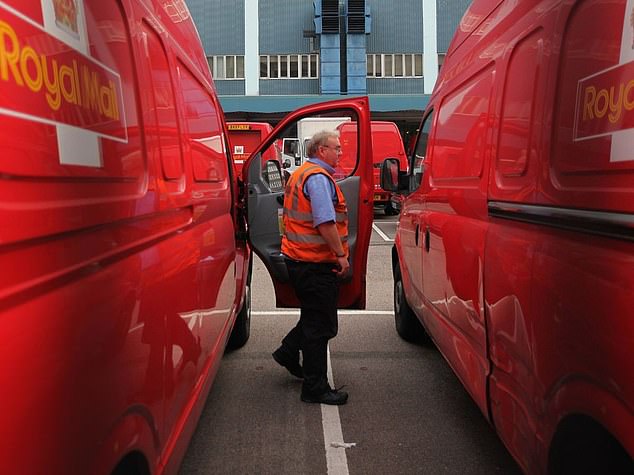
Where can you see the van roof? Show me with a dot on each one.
(472, 21)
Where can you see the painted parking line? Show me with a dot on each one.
(384, 236)
(335, 446)
(340, 312)
(336, 459)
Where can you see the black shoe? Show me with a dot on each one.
(333, 397)
(283, 358)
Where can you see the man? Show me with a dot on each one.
(316, 254)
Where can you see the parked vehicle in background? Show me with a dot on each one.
(244, 137)
(294, 143)
(386, 143)
(123, 234)
(291, 153)
(515, 242)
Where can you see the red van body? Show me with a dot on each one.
(386, 143)
(244, 137)
(515, 242)
(123, 244)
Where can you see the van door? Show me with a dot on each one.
(410, 233)
(265, 192)
(454, 230)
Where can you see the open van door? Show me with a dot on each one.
(264, 189)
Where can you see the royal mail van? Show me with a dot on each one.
(386, 143)
(244, 137)
(515, 242)
(125, 259)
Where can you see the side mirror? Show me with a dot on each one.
(389, 174)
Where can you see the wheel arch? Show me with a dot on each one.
(133, 463)
(582, 445)
(589, 419)
(133, 442)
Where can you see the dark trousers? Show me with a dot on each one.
(316, 286)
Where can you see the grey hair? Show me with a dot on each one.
(318, 140)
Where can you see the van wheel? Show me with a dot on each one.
(242, 328)
(408, 326)
(390, 210)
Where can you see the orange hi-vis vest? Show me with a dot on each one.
(301, 240)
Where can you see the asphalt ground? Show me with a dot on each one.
(407, 412)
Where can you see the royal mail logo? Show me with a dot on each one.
(60, 84)
(605, 102)
(67, 16)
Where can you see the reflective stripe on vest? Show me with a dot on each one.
(302, 241)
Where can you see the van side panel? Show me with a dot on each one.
(510, 246)
(592, 157)
(556, 288)
(453, 226)
(159, 109)
(69, 136)
(518, 145)
(117, 237)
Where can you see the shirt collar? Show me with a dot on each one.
(322, 164)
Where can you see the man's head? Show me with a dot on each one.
(325, 146)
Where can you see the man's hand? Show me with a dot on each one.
(344, 266)
(329, 232)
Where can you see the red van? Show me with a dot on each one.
(515, 245)
(386, 143)
(244, 137)
(123, 244)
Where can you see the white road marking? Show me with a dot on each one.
(336, 459)
(384, 236)
(340, 312)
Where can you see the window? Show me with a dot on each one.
(388, 71)
(441, 60)
(397, 65)
(226, 67)
(289, 66)
(418, 65)
(417, 165)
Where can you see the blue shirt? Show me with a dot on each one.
(322, 194)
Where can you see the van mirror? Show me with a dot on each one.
(390, 174)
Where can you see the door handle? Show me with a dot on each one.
(427, 239)
(416, 235)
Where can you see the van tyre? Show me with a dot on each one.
(390, 210)
(408, 326)
(242, 327)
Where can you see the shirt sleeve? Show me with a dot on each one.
(321, 193)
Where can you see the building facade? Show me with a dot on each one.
(268, 57)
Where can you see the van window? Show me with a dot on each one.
(418, 158)
(206, 141)
(459, 143)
